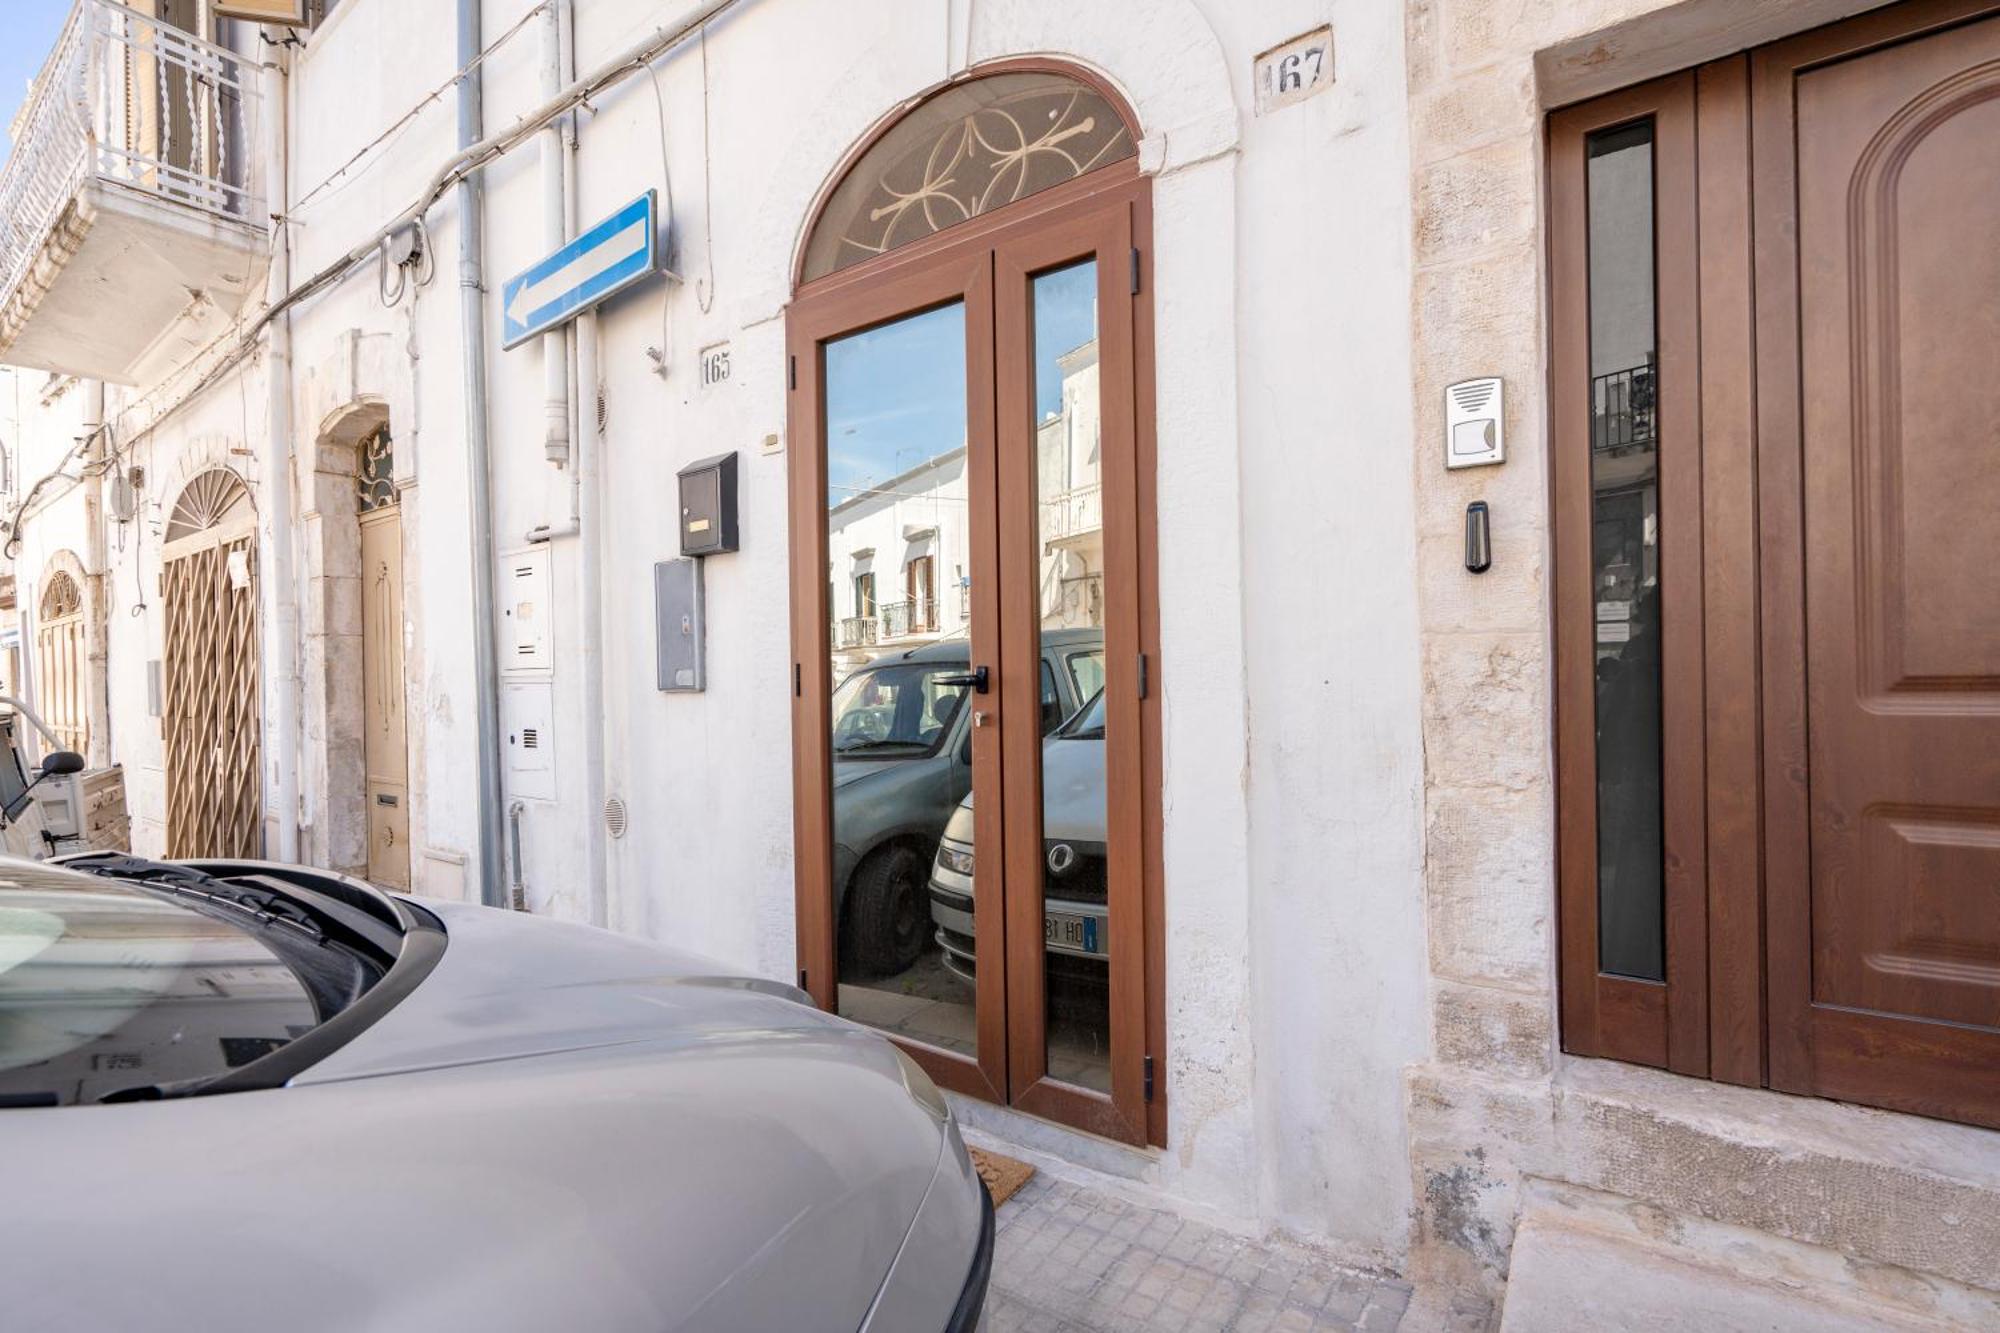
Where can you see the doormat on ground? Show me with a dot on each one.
(1003, 1175)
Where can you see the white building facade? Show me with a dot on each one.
(360, 583)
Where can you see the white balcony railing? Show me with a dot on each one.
(1073, 513)
(131, 100)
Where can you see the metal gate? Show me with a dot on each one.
(210, 715)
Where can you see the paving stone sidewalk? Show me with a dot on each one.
(1073, 1260)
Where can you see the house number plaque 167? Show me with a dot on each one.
(1295, 71)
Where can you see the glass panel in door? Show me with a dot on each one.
(1069, 551)
(1625, 552)
(897, 505)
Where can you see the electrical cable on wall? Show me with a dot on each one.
(704, 296)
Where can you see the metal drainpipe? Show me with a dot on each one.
(97, 628)
(478, 467)
(584, 509)
(281, 596)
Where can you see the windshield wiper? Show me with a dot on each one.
(268, 907)
(863, 747)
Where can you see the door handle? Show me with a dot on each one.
(977, 678)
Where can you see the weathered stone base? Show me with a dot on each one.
(1671, 1189)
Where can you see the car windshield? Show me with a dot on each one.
(1088, 724)
(106, 987)
(896, 710)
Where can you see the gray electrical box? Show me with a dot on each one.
(708, 506)
(678, 610)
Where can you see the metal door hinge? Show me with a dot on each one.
(1135, 270)
(802, 980)
(1144, 684)
(793, 374)
(798, 681)
(1149, 1078)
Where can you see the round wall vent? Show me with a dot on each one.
(614, 816)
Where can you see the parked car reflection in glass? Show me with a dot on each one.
(902, 761)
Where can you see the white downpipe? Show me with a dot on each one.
(590, 573)
(555, 235)
(97, 633)
(281, 605)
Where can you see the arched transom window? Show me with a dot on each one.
(214, 506)
(970, 149)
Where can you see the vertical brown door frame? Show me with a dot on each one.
(1659, 1023)
(1813, 1048)
(1105, 235)
(955, 274)
(1730, 663)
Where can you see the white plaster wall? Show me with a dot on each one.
(1330, 626)
(1280, 270)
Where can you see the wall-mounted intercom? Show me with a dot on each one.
(1474, 423)
(677, 610)
(708, 506)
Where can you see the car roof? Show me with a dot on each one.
(957, 650)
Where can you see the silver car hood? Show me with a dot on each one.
(560, 1128)
(511, 985)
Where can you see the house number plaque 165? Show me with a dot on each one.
(714, 365)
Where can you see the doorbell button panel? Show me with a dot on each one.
(1474, 423)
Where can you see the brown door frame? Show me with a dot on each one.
(951, 265)
(959, 274)
(1103, 234)
(1659, 1023)
(1818, 1049)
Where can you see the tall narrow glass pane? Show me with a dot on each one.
(1625, 552)
(1070, 552)
(900, 603)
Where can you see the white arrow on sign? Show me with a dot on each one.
(574, 275)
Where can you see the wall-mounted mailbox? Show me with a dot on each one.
(677, 610)
(708, 506)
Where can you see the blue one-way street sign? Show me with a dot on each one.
(609, 257)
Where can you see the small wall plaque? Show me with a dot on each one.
(1295, 71)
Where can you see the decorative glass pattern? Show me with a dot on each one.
(972, 148)
(375, 472)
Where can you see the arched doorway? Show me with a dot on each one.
(210, 718)
(974, 621)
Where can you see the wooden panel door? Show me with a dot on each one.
(385, 734)
(1876, 158)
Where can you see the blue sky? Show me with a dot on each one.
(27, 34)
(895, 395)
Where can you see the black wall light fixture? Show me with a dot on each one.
(1478, 538)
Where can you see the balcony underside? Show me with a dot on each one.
(127, 284)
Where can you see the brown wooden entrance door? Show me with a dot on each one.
(1777, 315)
(972, 830)
(1885, 981)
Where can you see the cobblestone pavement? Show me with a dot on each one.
(1073, 1260)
